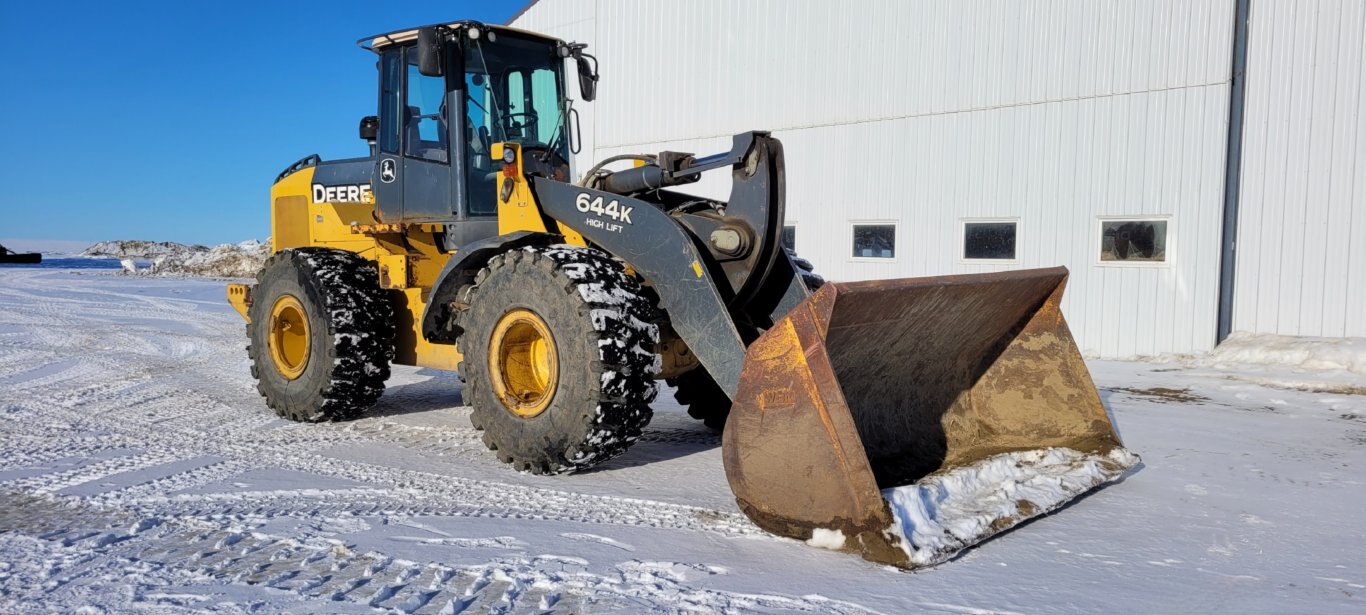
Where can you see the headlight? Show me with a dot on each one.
(473, 32)
(509, 155)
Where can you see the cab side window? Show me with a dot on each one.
(390, 98)
(424, 123)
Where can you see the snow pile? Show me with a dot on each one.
(949, 511)
(229, 260)
(240, 260)
(138, 249)
(1311, 353)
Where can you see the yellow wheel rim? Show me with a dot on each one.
(523, 363)
(288, 337)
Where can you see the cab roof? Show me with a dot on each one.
(378, 42)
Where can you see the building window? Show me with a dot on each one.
(789, 237)
(991, 240)
(874, 241)
(1132, 240)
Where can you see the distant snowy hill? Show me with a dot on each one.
(149, 250)
(169, 258)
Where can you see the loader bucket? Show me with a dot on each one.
(909, 419)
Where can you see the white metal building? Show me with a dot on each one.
(927, 137)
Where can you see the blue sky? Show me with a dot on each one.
(169, 120)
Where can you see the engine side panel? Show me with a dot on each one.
(331, 205)
(333, 195)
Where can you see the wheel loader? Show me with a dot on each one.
(899, 419)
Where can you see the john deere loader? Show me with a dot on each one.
(900, 419)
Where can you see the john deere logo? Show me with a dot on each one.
(386, 170)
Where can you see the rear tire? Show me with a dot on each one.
(813, 281)
(594, 360)
(695, 390)
(705, 400)
(335, 369)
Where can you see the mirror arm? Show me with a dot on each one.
(454, 65)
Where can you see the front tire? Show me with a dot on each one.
(321, 334)
(559, 359)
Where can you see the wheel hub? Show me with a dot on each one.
(523, 363)
(288, 337)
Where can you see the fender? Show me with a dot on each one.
(460, 270)
(659, 249)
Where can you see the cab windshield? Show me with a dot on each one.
(512, 93)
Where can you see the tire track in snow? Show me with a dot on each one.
(322, 568)
(195, 478)
(424, 494)
(51, 483)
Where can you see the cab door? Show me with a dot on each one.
(426, 147)
(387, 179)
(413, 168)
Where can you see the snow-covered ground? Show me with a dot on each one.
(140, 471)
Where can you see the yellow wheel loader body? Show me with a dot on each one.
(903, 420)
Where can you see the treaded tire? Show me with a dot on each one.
(813, 281)
(704, 399)
(604, 339)
(699, 393)
(350, 324)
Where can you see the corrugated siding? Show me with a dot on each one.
(1301, 260)
(927, 112)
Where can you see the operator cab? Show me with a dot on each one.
(447, 94)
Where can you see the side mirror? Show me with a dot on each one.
(430, 45)
(369, 128)
(588, 78)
